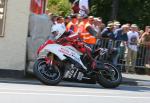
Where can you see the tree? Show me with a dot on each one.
(101, 8)
(132, 11)
(115, 7)
(59, 7)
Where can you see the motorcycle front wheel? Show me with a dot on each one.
(110, 77)
(49, 75)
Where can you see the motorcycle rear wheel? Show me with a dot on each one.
(49, 75)
(111, 77)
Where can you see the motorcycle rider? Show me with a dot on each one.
(58, 29)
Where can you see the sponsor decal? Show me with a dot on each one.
(69, 53)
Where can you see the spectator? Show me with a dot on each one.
(102, 27)
(72, 26)
(88, 34)
(79, 18)
(121, 39)
(145, 39)
(116, 25)
(67, 20)
(108, 31)
(108, 34)
(60, 21)
(82, 24)
(133, 38)
(141, 51)
(54, 19)
(141, 33)
(97, 25)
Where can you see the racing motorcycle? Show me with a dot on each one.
(71, 58)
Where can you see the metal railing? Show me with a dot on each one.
(142, 56)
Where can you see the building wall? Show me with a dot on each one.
(13, 44)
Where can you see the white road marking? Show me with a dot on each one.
(60, 91)
(51, 89)
(73, 95)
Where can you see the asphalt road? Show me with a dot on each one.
(23, 92)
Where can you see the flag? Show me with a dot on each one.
(39, 2)
(37, 6)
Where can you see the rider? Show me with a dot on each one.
(58, 29)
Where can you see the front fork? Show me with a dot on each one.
(49, 60)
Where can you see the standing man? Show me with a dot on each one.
(116, 25)
(108, 32)
(72, 26)
(145, 39)
(133, 38)
(108, 35)
(121, 40)
(82, 24)
(88, 34)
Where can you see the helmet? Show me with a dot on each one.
(59, 29)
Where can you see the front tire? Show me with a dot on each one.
(49, 75)
(111, 77)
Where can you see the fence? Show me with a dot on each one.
(142, 57)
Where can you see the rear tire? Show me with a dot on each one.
(106, 80)
(48, 75)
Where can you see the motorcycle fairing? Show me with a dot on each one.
(62, 52)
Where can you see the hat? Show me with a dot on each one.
(91, 18)
(97, 19)
(109, 25)
(134, 26)
(117, 23)
(125, 26)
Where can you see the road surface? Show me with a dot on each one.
(15, 92)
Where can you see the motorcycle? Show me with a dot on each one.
(71, 58)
